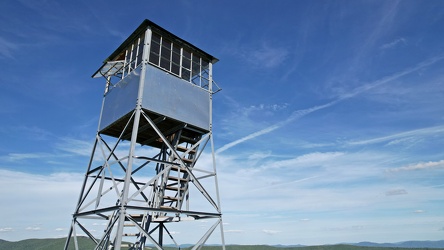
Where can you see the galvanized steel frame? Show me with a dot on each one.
(120, 212)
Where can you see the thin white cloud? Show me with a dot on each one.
(269, 57)
(25, 156)
(380, 25)
(395, 138)
(384, 80)
(306, 160)
(259, 156)
(234, 231)
(263, 56)
(295, 115)
(266, 107)
(7, 48)
(419, 166)
(52, 197)
(394, 43)
(278, 184)
(303, 112)
(419, 211)
(248, 137)
(270, 232)
(78, 147)
(6, 229)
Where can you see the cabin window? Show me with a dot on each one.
(178, 60)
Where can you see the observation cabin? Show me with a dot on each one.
(174, 87)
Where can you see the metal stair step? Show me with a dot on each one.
(184, 149)
(178, 168)
(174, 188)
(186, 160)
(136, 217)
(175, 178)
(171, 198)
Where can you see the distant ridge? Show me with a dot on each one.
(57, 244)
(404, 244)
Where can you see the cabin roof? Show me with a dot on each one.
(156, 28)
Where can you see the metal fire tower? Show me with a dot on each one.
(144, 187)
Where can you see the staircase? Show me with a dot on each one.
(170, 190)
(174, 186)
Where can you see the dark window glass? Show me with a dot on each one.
(175, 68)
(205, 64)
(186, 63)
(166, 53)
(155, 38)
(186, 59)
(196, 65)
(166, 43)
(185, 74)
(154, 58)
(175, 58)
(165, 63)
(155, 49)
(176, 49)
(176, 54)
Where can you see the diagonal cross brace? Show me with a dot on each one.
(174, 152)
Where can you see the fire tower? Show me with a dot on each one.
(144, 187)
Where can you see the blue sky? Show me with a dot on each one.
(329, 127)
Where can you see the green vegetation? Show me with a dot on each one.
(44, 244)
(327, 247)
(84, 243)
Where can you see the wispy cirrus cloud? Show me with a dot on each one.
(52, 197)
(262, 55)
(30, 132)
(396, 138)
(394, 43)
(267, 56)
(419, 166)
(270, 232)
(306, 160)
(267, 107)
(7, 48)
(33, 228)
(419, 211)
(75, 146)
(342, 97)
(6, 229)
(234, 231)
(13, 157)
